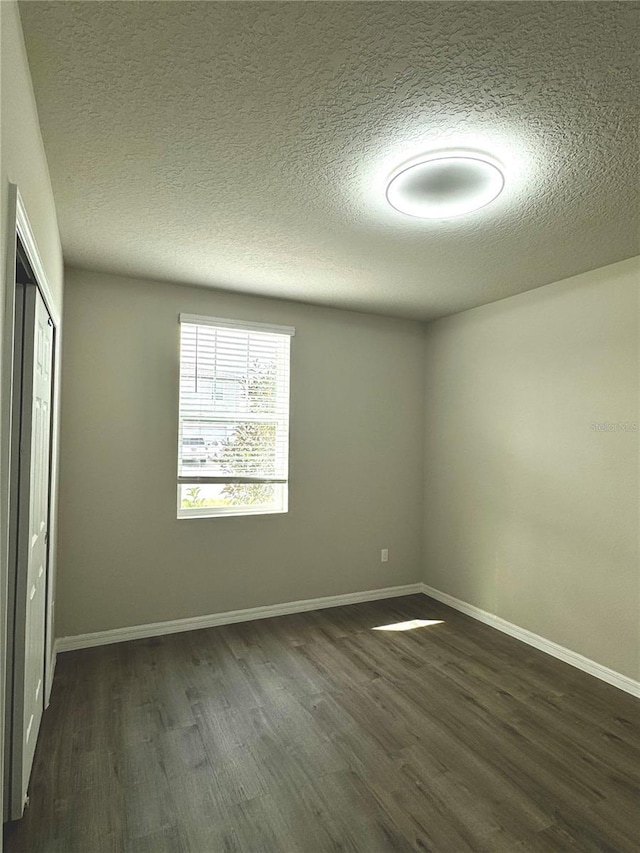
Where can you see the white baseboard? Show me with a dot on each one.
(623, 682)
(175, 626)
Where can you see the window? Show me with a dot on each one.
(233, 446)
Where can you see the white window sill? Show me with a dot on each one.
(206, 512)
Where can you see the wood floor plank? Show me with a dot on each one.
(313, 732)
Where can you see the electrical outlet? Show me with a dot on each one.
(384, 555)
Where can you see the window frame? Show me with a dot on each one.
(205, 479)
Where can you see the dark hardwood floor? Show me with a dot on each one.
(313, 732)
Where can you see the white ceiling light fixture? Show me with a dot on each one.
(445, 184)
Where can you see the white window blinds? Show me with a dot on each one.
(233, 452)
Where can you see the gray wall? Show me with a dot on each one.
(531, 513)
(357, 427)
(22, 162)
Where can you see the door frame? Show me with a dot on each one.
(19, 227)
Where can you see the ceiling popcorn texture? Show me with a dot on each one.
(246, 146)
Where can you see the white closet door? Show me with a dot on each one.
(35, 463)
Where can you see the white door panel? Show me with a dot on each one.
(31, 586)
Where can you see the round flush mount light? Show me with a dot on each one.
(445, 184)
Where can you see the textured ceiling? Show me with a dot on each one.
(245, 145)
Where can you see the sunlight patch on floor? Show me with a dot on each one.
(409, 626)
